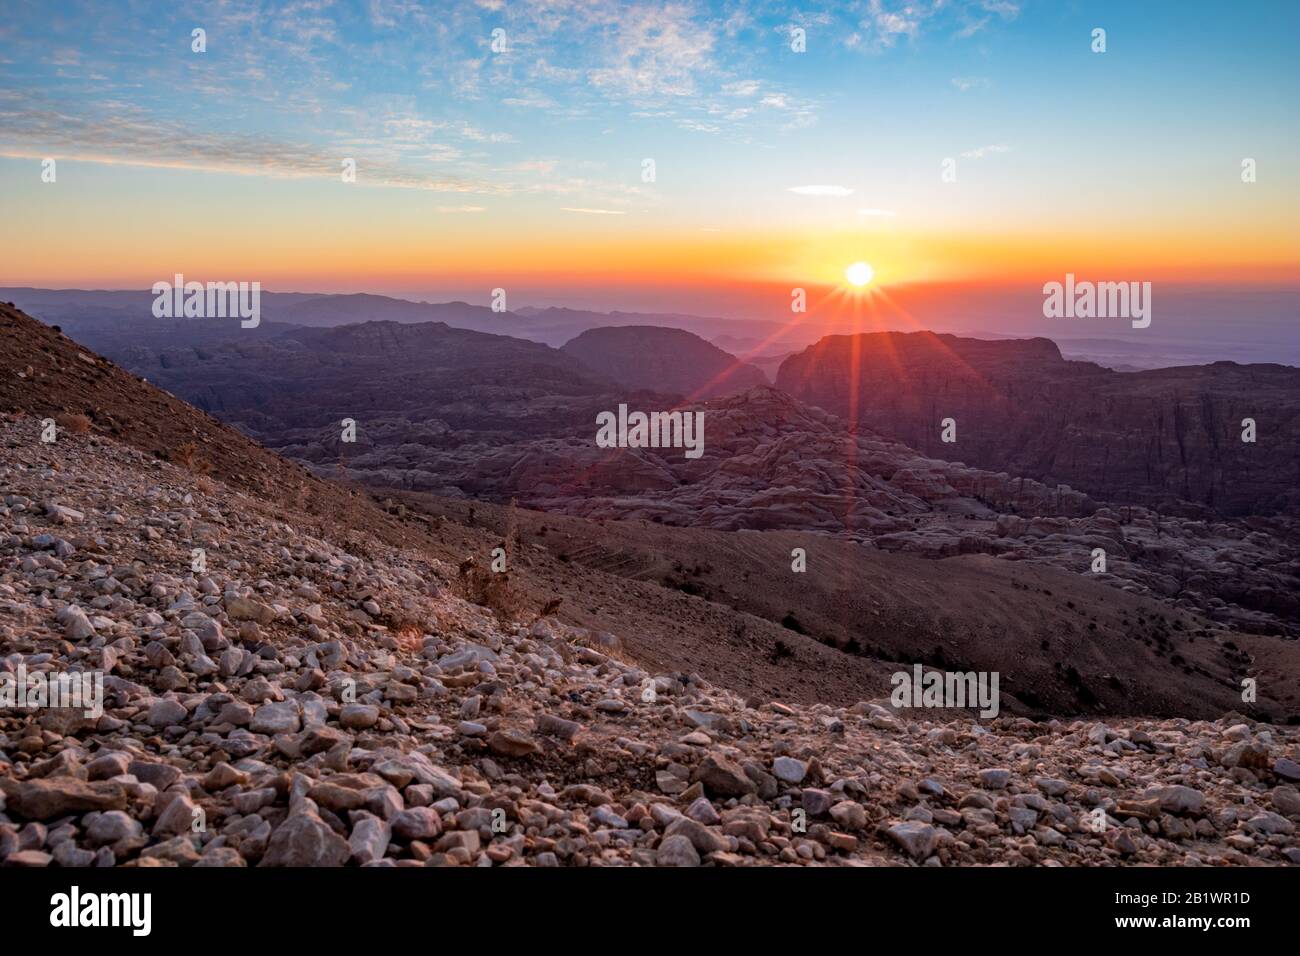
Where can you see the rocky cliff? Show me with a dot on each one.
(671, 361)
(1170, 437)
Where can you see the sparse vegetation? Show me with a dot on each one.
(188, 457)
(73, 423)
(489, 589)
(781, 651)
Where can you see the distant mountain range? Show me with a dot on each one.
(83, 309)
(1184, 335)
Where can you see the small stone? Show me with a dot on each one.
(337, 798)
(1179, 799)
(31, 859)
(1286, 768)
(369, 839)
(702, 838)
(723, 778)
(276, 719)
(1286, 800)
(61, 796)
(918, 840)
(222, 776)
(358, 716)
(114, 763)
(416, 823)
(111, 827)
(221, 856)
(1052, 786)
(304, 839)
(850, 815)
(557, 727)
(1270, 823)
(702, 811)
(676, 850)
(994, 778)
(608, 818)
(512, 743)
(177, 818)
(165, 712)
(789, 770)
(244, 609)
(816, 802)
(76, 626)
(669, 783)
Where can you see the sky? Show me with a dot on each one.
(521, 164)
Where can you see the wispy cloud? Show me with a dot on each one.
(126, 136)
(592, 212)
(982, 151)
(655, 50)
(879, 25)
(967, 83)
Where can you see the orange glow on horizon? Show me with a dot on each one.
(306, 256)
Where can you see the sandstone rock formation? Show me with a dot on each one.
(671, 361)
(1160, 437)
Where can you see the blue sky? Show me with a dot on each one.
(460, 147)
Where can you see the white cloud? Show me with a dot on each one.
(654, 51)
(592, 212)
(983, 151)
(741, 88)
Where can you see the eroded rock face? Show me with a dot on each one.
(495, 418)
(771, 462)
(336, 741)
(1153, 437)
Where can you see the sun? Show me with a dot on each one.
(859, 274)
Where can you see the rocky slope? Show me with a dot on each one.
(671, 361)
(1165, 437)
(1063, 642)
(773, 463)
(308, 702)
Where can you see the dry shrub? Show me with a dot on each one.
(404, 621)
(489, 589)
(410, 637)
(188, 457)
(493, 589)
(76, 424)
